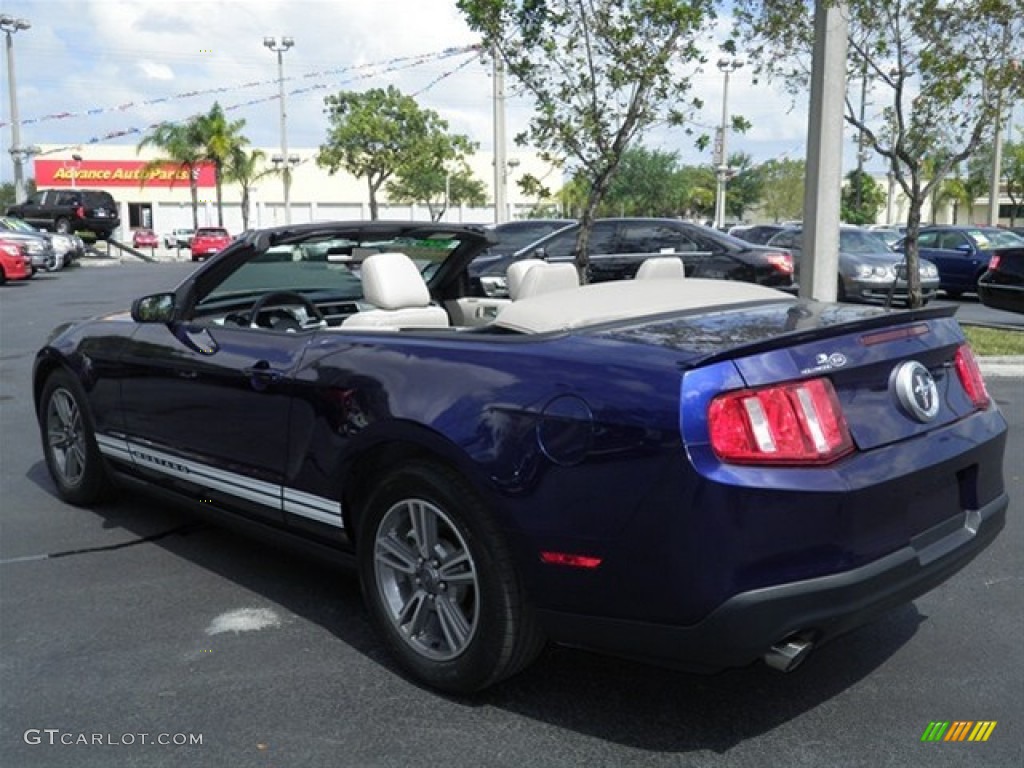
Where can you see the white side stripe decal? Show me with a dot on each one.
(268, 494)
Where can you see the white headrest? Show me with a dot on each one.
(516, 272)
(659, 267)
(392, 281)
(549, 278)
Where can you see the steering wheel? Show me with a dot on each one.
(285, 297)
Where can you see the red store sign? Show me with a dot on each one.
(116, 173)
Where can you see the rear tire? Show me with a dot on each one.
(62, 225)
(440, 583)
(69, 441)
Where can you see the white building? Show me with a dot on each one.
(163, 201)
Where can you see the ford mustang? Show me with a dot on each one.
(697, 473)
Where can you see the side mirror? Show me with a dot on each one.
(539, 253)
(157, 308)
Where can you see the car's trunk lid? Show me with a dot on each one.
(860, 349)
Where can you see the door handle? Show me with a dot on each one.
(262, 370)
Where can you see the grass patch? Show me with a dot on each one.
(992, 342)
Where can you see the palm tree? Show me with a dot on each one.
(219, 138)
(245, 169)
(180, 145)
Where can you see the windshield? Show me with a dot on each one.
(17, 225)
(857, 241)
(326, 267)
(995, 238)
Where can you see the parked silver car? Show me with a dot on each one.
(868, 270)
(38, 245)
(66, 246)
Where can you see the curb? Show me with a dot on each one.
(1007, 367)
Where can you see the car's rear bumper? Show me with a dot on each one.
(1008, 297)
(745, 627)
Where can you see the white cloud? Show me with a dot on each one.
(154, 71)
(133, 63)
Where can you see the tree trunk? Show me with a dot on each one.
(220, 198)
(373, 198)
(245, 207)
(193, 186)
(582, 254)
(911, 255)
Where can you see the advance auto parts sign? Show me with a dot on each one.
(115, 173)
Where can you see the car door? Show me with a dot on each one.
(205, 409)
(953, 253)
(32, 210)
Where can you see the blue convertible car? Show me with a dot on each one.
(697, 473)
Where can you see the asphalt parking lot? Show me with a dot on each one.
(138, 618)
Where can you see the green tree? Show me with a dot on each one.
(939, 67)
(599, 73)
(953, 191)
(219, 138)
(1013, 173)
(181, 146)
(645, 184)
(862, 199)
(697, 185)
(782, 193)
(437, 174)
(7, 193)
(245, 168)
(744, 188)
(375, 135)
(979, 175)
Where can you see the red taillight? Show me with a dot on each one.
(993, 263)
(80, 212)
(970, 376)
(800, 422)
(573, 561)
(783, 262)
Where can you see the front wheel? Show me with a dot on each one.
(69, 441)
(63, 226)
(440, 584)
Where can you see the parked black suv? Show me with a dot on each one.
(70, 210)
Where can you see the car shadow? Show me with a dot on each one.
(631, 704)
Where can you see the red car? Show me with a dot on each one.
(144, 238)
(208, 241)
(14, 263)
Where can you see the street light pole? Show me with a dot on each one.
(728, 66)
(994, 192)
(10, 25)
(286, 175)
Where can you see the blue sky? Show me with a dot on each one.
(117, 66)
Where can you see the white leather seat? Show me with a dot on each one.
(517, 271)
(548, 278)
(661, 267)
(393, 284)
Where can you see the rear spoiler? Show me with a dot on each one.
(810, 322)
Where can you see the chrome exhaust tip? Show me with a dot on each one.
(789, 654)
